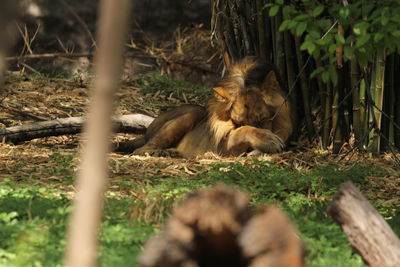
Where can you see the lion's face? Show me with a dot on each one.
(249, 108)
(251, 105)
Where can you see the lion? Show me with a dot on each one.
(247, 112)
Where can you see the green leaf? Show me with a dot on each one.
(321, 42)
(332, 48)
(279, 2)
(344, 12)
(284, 25)
(328, 38)
(384, 20)
(324, 24)
(301, 27)
(301, 17)
(314, 35)
(378, 37)
(333, 74)
(325, 76)
(292, 24)
(340, 39)
(317, 11)
(316, 71)
(360, 28)
(287, 11)
(273, 11)
(309, 46)
(348, 53)
(363, 39)
(396, 34)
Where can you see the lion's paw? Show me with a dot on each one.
(272, 144)
(157, 153)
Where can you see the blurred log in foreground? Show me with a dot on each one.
(367, 231)
(217, 228)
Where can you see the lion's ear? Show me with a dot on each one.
(221, 93)
(270, 82)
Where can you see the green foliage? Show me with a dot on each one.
(369, 27)
(160, 84)
(33, 219)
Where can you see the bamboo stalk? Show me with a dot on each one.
(397, 103)
(327, 116)
(377, 89)
(363, 113)
(279, 56)
(305, 91)
(357, 124)
(344, 102)
(388, 103)
(322, 92)
(392, 102)
(337, 136)
(242, 21)
(272, 38)
(262, 40)
(233, 29)
(290, 74)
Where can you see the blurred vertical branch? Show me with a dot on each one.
(9, 11)
(92, 177)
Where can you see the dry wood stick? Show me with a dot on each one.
(48, 55)
(367, 231)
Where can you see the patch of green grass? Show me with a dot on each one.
(33, 220)
(33, 229)
(163, 85)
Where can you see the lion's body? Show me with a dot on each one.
(248, 111)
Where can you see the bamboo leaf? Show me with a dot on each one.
(301, 27)
(360, 28)
(316, 71)
(333, 75)
(396, 34)
(309, 46)
(325, 76)
(378, 36)
(340, 39)
(363, 39)
(348, 53)
(384, 20)
(344, 12)
(302, 17)
(317, 11)
(284, 25)
(273, 11)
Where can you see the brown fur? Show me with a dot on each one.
(247, 112)
(216, 227)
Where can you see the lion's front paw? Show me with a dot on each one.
(157, 152)
(271, 143)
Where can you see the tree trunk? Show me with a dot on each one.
(367, 231)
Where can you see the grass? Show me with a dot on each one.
(33, 218)
(157, 83)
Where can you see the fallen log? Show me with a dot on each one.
(132, 123)
(367, 231)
